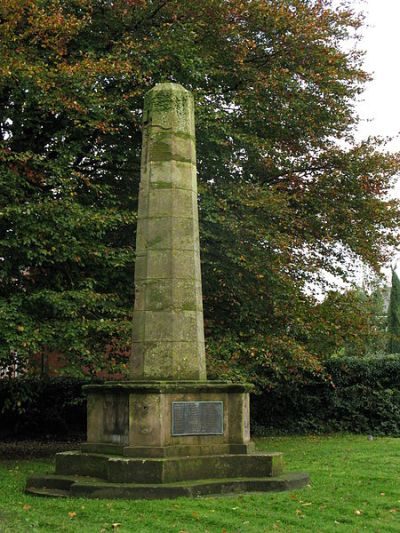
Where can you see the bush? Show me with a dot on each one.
(42, 407)
(362, 396)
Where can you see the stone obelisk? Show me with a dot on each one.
(167, 432)
(168, 333)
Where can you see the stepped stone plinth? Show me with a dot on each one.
(168, 431)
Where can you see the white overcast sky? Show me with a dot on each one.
(380, 108)
(379, 105)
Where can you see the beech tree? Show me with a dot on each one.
(285, 192)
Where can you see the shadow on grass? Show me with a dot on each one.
(34, 449)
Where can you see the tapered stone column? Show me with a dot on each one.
(168, 334)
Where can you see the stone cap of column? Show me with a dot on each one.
(169, 106)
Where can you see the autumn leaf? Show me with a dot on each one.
(72, 514)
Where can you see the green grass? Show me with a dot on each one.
(354, 487)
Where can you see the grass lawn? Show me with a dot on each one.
(355, 487)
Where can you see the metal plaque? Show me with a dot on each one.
(197, 418)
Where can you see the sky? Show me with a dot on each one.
(380, 108)
(379, 105)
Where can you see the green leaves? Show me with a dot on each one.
(282, 197)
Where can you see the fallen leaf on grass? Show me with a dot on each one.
(26, 507)
(196, 515)
(72, 514)
(115, 525)
(358, 512)
(393, 511)
(382, 494)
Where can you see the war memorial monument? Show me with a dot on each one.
(167, 431)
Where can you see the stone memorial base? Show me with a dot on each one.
(165, 439)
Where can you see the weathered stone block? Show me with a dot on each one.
(138, 327)
(172, 174)
(169, 145)
(171, 203)
(141, 267)
(170, 234)
(164, 264)
(169, 294)
(154, 360)
(83, 464)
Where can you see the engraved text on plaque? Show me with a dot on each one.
(197, 418)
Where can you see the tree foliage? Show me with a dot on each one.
(356, 322)
(393, 315)
(286, 194)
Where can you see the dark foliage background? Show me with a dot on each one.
(42, 408)
(360, 396)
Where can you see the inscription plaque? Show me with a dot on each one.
(197, 418)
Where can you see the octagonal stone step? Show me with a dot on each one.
(118, 469)
(97, 488)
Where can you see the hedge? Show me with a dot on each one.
(42, 408)
(361, 396)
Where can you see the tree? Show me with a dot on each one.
(286, 194)
(350, 323)
(393, 318)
